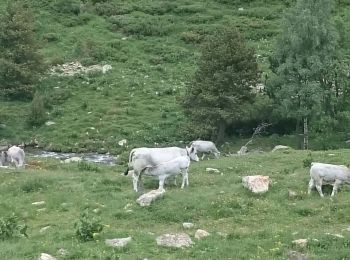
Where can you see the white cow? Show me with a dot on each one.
(13, 155)
(169, 168)
(140, 158)
(205, 147)
(323, 173)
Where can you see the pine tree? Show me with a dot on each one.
(222, 84)
(20, 62)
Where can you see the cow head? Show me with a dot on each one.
(192, 153)
(3, 158)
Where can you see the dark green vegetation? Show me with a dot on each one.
(251, 226)
(153, 47)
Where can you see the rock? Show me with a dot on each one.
(200, 233)
(41, 210)
(243, 150)
(48, 123)
(256, 184)
(38, 203)
(174, 240)
(241, 9)
(187, 225)
(62, 252)
(147, 198)
(73, 159)
(335, 235)
(122, 142)
(106, 68)
(280, 147)
(118, 242)
(3, 126)
(295, 255)
(96, 211)
(212, 170)
(45, 256)
(292, 194)
(42, 230)
(300, 242)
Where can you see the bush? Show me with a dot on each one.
(10, 227)
(109, 9)
(37, 115)
(85, 166)
(87, 226)
(191, 37)
(67, 7)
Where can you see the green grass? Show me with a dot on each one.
(255, 226)
(153, 47)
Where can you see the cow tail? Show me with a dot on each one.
(130, 159)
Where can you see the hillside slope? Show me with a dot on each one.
(152, 47)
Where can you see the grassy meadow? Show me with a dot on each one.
(242, 225)
(153, 47)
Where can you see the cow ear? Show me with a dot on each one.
(192, 149)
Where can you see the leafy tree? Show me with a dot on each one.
(20, 62)
(304, 62)
(222, 84)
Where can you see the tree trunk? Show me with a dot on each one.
(221, 132)
(306, 134)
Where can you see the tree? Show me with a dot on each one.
(305, 56)
(20, 62)
(222, 84)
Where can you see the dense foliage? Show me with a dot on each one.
(222, 85)
(20, 62)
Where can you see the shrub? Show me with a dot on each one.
(87, 226)
(10, 227)
(191, 37)
(85, 166)
(37, 115)
(67, 7)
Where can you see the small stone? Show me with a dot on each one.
(38, 203)
(48, 123)
(42, 230)
(300, 242)
(212, 170)
(200, 233)
(294, 255)
(41, 210)
(62, 252)
(335, 235)
(122, 142)
(280, 147)
(241, 9)
(44, 256)
(97, 210)
(187, 225)
(118, 242)
(73, 159)
(292, 194)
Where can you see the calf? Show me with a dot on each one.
(13, 155)
(322, 173)
(205, 147)
(169, 168)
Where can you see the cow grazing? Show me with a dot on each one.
(205, 147)
(323, 173)
(141, 158)
(14, 155)
(169, 168)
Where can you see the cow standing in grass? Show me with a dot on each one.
(323, 173)
(14, 155)
(141, 158)
(205, 147)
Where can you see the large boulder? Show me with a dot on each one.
(256, 184)
(147, 198)
(118, 242)
(174, 240)
(200, 233)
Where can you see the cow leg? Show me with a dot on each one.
(184, 179)
(203, 155)
(319, 187)
(135, 180)
(311, 185)
(335, 187)
(161, 182)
